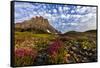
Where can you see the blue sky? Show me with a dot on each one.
(64, 18)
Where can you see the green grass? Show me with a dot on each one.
(27, 34)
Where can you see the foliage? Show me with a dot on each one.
(25, 56)
(41, 49)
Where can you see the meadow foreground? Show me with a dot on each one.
(47, 49)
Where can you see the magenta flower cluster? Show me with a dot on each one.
(54, 47)
(21, 52)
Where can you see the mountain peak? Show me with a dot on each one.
(36, 24)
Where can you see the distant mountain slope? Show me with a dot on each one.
(36, 25)
(91, 31)
(76, 32)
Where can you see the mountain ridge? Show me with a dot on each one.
(36, 25)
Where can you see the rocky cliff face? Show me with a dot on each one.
(36, 25)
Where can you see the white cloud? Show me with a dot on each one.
(78, 7)
(60, 9)
(68, 16)
(34, 13)
(87, 22)
(72, 11)
(54, 10)
(63, 16)
(25, 5)
(72, 24)
(63, 24)
(44, 6)
(65, 8)
(81, 10)
(47, 15)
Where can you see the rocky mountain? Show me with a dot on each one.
(36, 25)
